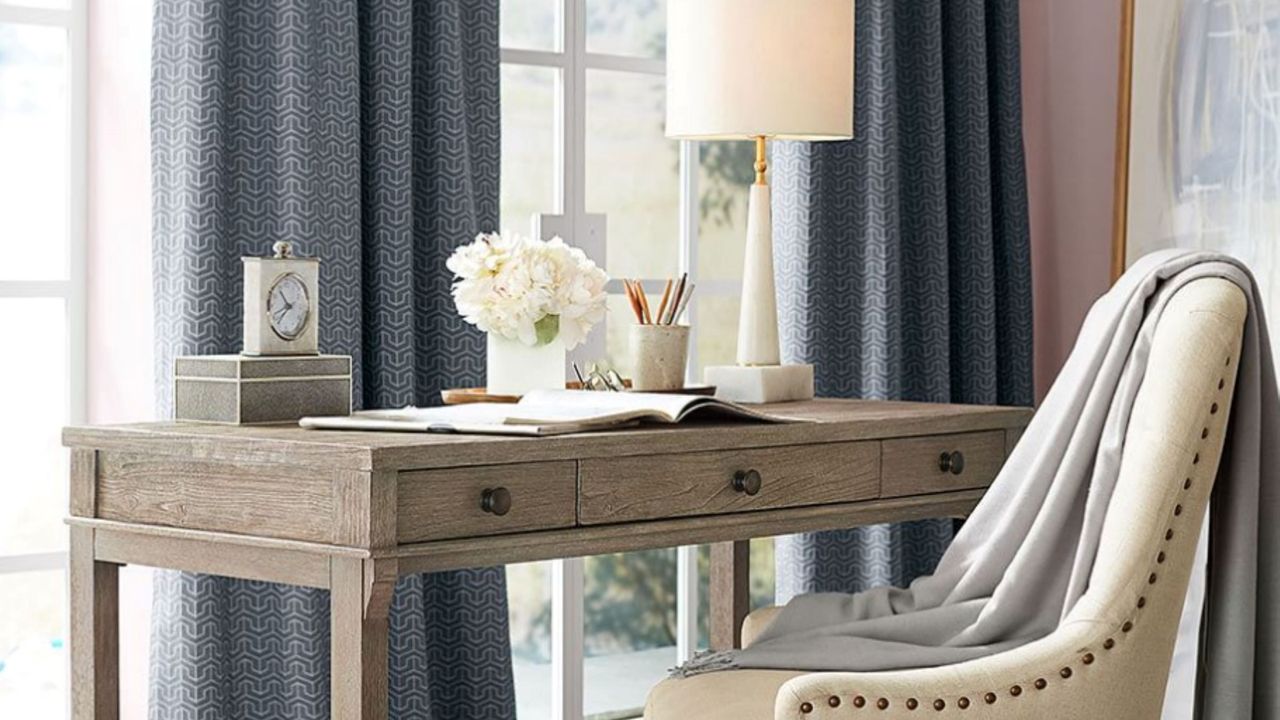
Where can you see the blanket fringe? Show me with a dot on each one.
(705, 662)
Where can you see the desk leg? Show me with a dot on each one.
(95, 632)
(730, 592)
(359, 603)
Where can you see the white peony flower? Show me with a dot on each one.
(528, 290)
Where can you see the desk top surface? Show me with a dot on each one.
(834, 420)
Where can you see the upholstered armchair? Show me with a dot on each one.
(1110, 657)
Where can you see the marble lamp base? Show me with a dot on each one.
(761, 383)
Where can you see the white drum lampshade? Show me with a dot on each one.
(759, 69)
(738, 69)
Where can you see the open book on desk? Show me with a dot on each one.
(547, 412)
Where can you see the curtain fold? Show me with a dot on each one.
(367, 133)
(903, 254)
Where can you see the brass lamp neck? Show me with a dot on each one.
(762, 164)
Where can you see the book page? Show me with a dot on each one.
(548, 406)
(468, 414)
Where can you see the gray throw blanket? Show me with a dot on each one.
(1023, 559)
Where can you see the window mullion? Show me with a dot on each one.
(32, 562)
(686, 602)
(688, 261)
(23, 15)
(568, 592)
(568, 623)
(536, 58)
(77, 242)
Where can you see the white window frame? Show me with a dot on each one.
(72, 290)
(572, 61)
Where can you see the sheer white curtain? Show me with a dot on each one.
(1205, 173)
(1215, 174)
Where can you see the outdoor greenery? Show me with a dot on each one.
(630, 601)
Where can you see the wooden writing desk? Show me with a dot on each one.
(351, 511)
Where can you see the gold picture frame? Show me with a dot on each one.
(1120, 208)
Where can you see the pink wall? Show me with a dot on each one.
(120, 333)
(1070, 57)
(119, 274)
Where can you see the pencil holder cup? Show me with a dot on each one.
(659, 354)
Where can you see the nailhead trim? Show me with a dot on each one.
(1066, 672)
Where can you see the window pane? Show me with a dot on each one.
(33, 153)
(528, 144)
(529, 24)
(725, 172)
(717, 329)
(630, 627)
(627, 27)
(33, 652)
(633, 173)
(529, 600)
(33, 383)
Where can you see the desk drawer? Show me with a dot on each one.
(646, 487)
(914, 466)
(485, 500)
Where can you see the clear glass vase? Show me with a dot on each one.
(515, 368)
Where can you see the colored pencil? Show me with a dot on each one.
(684, 302)
(662, 307)
(635, 303)
(644, 303)
(675, 305)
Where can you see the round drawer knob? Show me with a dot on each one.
(952, 462)
(496, 501)
(747, 481)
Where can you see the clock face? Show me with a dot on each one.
(288, 306)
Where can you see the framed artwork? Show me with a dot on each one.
(1198, 137)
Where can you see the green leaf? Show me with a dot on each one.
(547, 328)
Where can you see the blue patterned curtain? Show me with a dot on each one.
(366, 132)
(903, 254)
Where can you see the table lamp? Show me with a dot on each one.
(754, 70)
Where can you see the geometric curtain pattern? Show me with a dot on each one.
(366, 132)
(903, 254)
